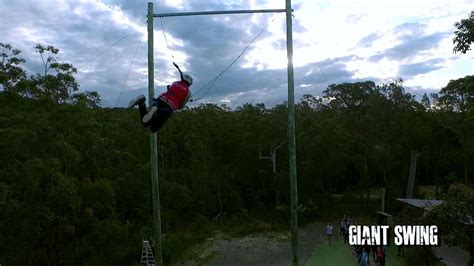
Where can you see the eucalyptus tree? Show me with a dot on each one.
(457, 100)
(10, 71)
(57, 83)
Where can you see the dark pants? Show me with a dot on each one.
(382, 261)
(162, 114)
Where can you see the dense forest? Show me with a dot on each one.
(75, 177)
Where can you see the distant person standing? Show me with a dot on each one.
(343, 221)
(367, 250)
(400, 251)
(347, 223)
(381, 255)
(329, 231)
(373, 249)
(364, 259)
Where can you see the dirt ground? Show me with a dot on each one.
(272, 248)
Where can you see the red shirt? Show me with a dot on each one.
(177, 95)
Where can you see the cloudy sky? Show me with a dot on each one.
(334, 41)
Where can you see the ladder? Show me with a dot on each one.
(147, 255)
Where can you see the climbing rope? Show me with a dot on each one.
(166, 39)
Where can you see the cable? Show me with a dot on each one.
(317, 63)
(166, 39)
(322, 72)
(213, 81)
(129, 68)
(126, 35)
(110, 46)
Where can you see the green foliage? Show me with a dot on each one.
(10, 72)
(89, 99)
(457, 98)
(464, 34)
(455, 218)
(458, 95)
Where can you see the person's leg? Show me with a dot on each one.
(143, 112)
(149, 115)
(140, 101)
(162, 113)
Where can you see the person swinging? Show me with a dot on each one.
(175, 98)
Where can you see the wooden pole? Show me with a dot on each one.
(411, 176)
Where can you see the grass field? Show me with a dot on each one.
(339, 253)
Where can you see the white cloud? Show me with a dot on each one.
(175, 3)
(437, 79)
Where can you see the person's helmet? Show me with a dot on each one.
(188, 78)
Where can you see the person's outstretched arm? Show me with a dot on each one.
(180, 72)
